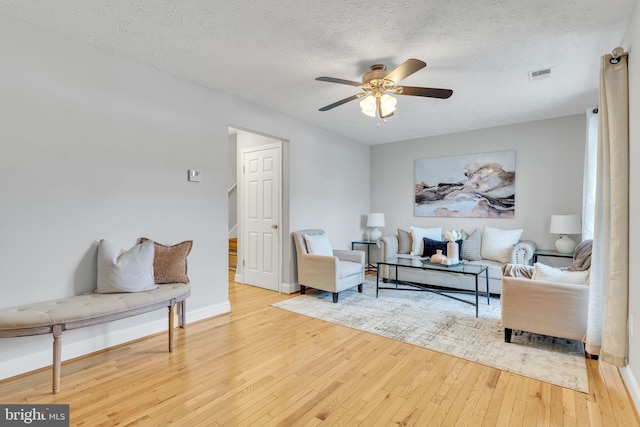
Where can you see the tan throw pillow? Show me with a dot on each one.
(170, 262)
(404, 241)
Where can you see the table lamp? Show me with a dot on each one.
(563, 225)
(375, 220)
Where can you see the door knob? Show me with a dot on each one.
(274, 226)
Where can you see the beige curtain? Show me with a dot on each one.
(609, 281)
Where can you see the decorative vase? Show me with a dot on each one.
(438, 257)
(452, 251)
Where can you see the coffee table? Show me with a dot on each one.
(464, 268)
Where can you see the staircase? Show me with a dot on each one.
(233, 253)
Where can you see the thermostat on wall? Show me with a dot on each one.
(194, 176)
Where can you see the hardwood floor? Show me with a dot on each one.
(264, 366)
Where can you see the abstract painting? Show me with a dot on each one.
(470, 186)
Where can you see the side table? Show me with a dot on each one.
(550, 253)
(368, 243)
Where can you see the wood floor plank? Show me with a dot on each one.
(264, 366)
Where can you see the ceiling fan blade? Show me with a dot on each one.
(429, 92)
(341, 81)
(405, 69)
(342, 101)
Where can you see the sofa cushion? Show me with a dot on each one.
(551, 274)
(125, 271)
(431, 246)
(404, 241)
(417, 234)
(497, 244)
(318, 244)
(494, 268)
(472, 245)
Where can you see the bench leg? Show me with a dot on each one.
(57, 354)
(172, 312)
(181, 314)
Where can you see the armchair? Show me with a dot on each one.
(543, 307)
(548, 301)
(332, 270)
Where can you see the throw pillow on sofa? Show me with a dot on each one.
(497, 244)
(404, 241)
(431, 246)
(417, 236)
(472, 245)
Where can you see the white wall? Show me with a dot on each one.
(549, 170)
(96, 146)
(631, 373)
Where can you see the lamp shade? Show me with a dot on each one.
(368, 106)
(375, 220)
(387, 105)
(565, 224)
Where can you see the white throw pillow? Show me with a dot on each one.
(497, 244)
(318, 244)
(552, 274)
(125, 271)
(417, 234)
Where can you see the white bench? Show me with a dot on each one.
(53, 317)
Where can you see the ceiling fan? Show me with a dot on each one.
(377, 85)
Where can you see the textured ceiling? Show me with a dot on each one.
(269, 52)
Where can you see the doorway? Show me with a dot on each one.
(260, 230)
(261, 201)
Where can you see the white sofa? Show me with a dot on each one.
(496, 252)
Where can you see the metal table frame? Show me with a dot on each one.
(464, 268)
(368, 243)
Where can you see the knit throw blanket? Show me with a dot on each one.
(581, 262)
(581, 256)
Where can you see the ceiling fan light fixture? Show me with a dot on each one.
(387, 105)
(368, 106)
(378, 84)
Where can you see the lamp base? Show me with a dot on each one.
(375, 234)
(565, 245)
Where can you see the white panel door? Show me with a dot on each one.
(261, 211)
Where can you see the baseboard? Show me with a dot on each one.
(632, 385)
(32, 353)
(206, 312)
(289, 288)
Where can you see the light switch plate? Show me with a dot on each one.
(194, 176)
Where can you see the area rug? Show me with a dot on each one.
(448, 326)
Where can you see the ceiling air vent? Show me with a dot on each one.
(544, 73)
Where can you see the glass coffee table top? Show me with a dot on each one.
(463, 268)
(425, 264)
